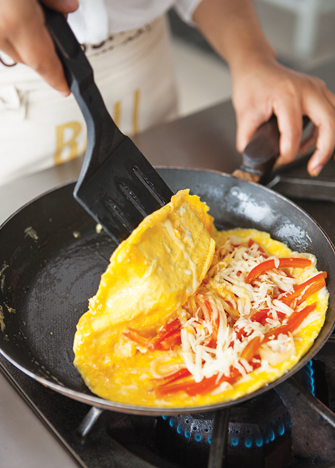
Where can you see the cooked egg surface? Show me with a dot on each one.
(162, 262)
(173, 323)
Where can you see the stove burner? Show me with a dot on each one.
(197, 426)
(259, 430)
(307, 377)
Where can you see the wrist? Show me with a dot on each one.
(251, 58)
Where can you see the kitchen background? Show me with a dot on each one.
(301, 31)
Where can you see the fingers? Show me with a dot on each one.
(24, 37)
(290, 96)
(38, 52)
(322, 114)
(324, 147)
(330, 97)
(9, 50)
(314, 100)
(309, 142)
(289, 120)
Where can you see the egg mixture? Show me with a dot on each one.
(186, 315)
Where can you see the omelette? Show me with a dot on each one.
(186, 315)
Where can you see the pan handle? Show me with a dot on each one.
(299, 400)
(262, 151)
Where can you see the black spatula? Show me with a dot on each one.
(117, 185)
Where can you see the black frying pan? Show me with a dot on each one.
(53, 259)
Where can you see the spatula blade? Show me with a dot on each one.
(124, 190)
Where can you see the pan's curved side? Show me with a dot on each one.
(53, 257)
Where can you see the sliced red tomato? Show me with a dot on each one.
(163, 390)
(240, 332)
(210, 384)
(179, 374)
(211, 343)
(283, 263)
(197, 388)
(136, 337)
(206, 309)
(165, 332)
(293, 322)
(171, 340)
(208, 312)
(260, 316)
(251, 348)
(166, 338)
(303, 291)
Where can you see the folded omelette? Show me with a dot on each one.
(186, 315)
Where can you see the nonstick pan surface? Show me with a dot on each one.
(53, 257)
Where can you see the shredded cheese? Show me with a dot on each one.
(220, 313)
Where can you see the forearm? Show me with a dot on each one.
(262, 86)
(233, 29)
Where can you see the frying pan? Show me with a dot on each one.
(53, 257)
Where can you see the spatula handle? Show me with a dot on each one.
(79, 74)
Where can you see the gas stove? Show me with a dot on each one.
(290, 426)
(263, 432)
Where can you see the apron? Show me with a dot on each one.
(39, 128)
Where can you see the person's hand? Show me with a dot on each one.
(24, 37)
(264, 87)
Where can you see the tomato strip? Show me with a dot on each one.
(303, 291)
(166, 338)
(166, 331)
(240, 332)
(260, 316)
(198, 388)
(271, 264)
(136, 337)
(206, 309)
(293, 322)
(163, 390)
(174, 338)
(210, 384)
(179, 374)
(251, 348)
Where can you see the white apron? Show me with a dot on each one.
(39, 128)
